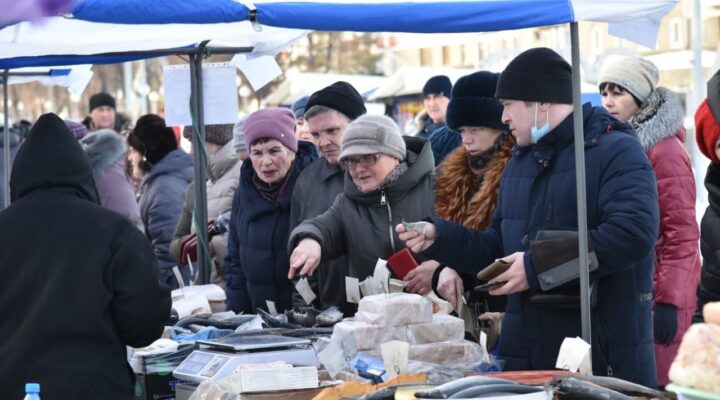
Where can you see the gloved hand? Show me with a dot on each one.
(665, 325)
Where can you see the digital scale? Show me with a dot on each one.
(226, 353)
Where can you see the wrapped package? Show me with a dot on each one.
(359, 335)
(456, 353)
(395, 309)
(697, 364)
(443, 328)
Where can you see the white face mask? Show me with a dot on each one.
(537, 133)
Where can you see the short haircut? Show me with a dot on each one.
(614, 86)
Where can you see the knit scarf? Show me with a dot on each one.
(270, 191)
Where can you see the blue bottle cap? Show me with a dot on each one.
(32, 388)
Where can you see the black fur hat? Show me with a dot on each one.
(473, 102)
(152, 138)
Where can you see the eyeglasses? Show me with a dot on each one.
(367, 160)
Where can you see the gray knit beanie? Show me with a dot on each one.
(637, 75)
(239, 135)
(370, 134)
(218, 134)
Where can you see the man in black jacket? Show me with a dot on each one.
(78, 282)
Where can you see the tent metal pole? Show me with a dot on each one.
(580, 182)
(6, 142)
(199, 152)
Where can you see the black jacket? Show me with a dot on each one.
(78, 282)
(709, 288)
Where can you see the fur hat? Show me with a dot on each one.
(271, 123)
(298, 107)
(101, 99)
(152, 138)
(340, 96)
(473, 102)
(371, 134)
(439, 84)
(218, 134)
(636, 74)
(538, 74)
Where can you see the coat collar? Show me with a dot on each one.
(660, 117)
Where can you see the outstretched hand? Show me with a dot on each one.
(515, 276)
(305, 258)
(418, 236)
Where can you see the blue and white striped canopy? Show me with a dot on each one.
(117, 26)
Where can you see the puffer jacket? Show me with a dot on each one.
(362, 225)
(709, 288)
(257, 262)
(161, 197)
(538, 192)
(106, 152)
(659, 124)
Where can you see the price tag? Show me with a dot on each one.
(352, 289)
(271, 307)
(332, 357)
(382, 275)
(574, 356)
(395, 356)
(303, 287)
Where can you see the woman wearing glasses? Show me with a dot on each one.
(388, 179)
(257, 260)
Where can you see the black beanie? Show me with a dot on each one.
(439, 84)
(101, 99)
(538, 74)
(152, 138)
(473, 104)
(340, 96)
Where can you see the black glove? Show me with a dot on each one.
(665, 326)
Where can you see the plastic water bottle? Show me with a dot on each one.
(32, 391)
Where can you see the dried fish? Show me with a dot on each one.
(329, 317)
(304, 316)
(480, 390)
(448, 389)
(276, 321)
(618, 385)
(575, 389)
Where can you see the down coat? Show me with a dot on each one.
(659, 125)
(538, 192)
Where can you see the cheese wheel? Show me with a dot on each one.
(711, 313)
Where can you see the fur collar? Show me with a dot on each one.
(660, 117)
(103, 149)
(466, 198)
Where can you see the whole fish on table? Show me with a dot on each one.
(477, 391)
(576, 389)
(619, 385)
(446, 390)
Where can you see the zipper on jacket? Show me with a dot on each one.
(384, 202)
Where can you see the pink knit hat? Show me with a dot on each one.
(271, 123)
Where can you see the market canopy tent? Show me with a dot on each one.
(636, 20)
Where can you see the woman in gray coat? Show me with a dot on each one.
(388, 179)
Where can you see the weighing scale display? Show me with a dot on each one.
(195, 363)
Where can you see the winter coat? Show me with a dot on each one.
(78, 282)
(443, 142)
(538, 192)
(426, 126)
(257, 262)
(709, 288)
(659, 125)
(161, 195)
(362, 225)
(223, 179)
(469, 199)
(316, 189)
(14, 141)
(106, 152)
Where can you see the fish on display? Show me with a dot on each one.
(448, 389)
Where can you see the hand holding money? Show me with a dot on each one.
(418, 236)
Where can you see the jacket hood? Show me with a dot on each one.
(421, 162)
(51, 158)
(306, 154)
(176, 162)
(660, 117)
(222, 161)
(102, 149)
(13, 138)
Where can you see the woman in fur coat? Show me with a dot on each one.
(468, 181)
(628, 86)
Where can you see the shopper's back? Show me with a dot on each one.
(77, 282)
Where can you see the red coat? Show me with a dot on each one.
(677, 259)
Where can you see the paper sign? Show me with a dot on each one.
(303, 287)
(397, 286)
(332, 357)
(259, 71)
(271, 307)
(352, 289)
(395, 356)
(382, 275)
(220, 99)
(370, 286)
(574, 356)
(641, 31)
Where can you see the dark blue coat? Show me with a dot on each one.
(538, 192)
(257, 261)
(443, 142)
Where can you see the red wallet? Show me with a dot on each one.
(401, 263)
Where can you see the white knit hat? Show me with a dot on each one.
(370, 134)
(637, 75)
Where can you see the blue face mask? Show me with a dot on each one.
(537, 133)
